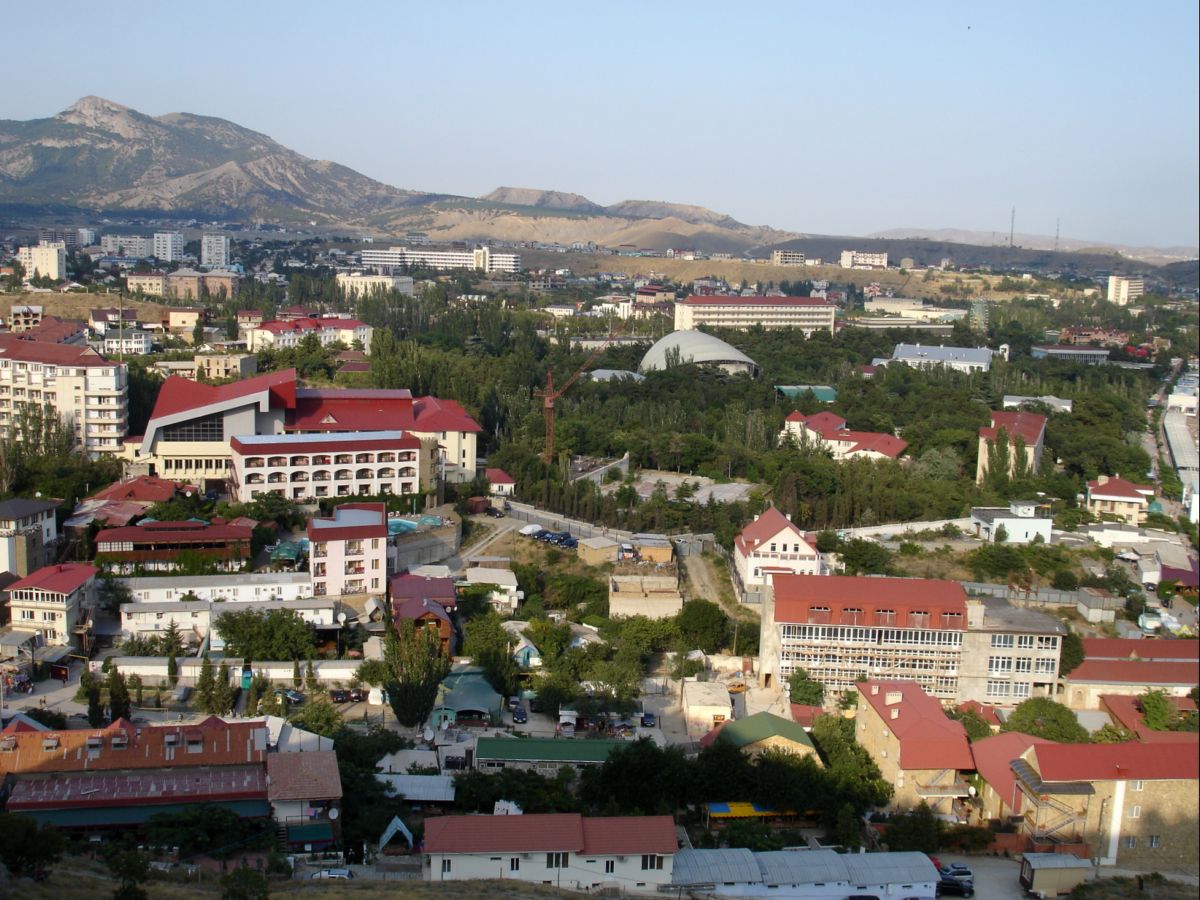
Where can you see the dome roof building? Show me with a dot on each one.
(699, 348)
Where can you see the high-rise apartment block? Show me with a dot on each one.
(214, 251)
(787, 258)
(396, 259)
(127, 245)
(45, 260)
(168, 246)
(1123, 291)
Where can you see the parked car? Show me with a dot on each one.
(512, 703)
(535, 705)
(957, 887)
(958, 870)
(343, 874)
(520, 716)
(337, 696)
(569, 543)
(494, 512)
(292, 696)
(649, 720)
(357, 695)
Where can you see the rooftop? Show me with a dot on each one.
(866, 601)
(350, 521)
(61, 579)
(1028, 426)
(941, 354)
(755, 728)
(1132, 649)
(551, 832)
(1108, 762)
(1000, 615)
(551, 749)
(928, 738)
(23, 508)
(303, 776)
(104, 789)
(1137, 672)
(993, 761)
(751, 302)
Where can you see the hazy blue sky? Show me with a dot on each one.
(830, 118)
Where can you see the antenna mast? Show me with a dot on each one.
(1012, 224)
(1056, 223)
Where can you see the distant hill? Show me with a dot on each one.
(1156, 255)
(534, 198)
(100, 155)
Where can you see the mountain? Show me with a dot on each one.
(100, 155)
(539, 199)
(1156, 255)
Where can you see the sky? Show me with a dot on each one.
(842, 118)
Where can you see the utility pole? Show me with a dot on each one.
(1056, 224)
(1012, 224)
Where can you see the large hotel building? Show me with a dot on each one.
(396, 259)
(809, 314)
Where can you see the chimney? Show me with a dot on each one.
(788, 516)
(895, 712)
(1103, 479)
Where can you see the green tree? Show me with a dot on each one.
(491, 647)
(243, 883)
(320, 717)
(135, 683)
(118, 695)
(974, 724)
(1046, 718)
(1072, 653)
(918, 829)
(804, 690)
(416, 668)
(273, 634)
(756, 836)
(27, 849)
(95, 707)
(1161, 714)
(206, 828)
(172, 670)
(310, 677)
(1112, 734)
(171, 640)
(205, 685)
(223, 693)
(702, 625)
(198, 332)
(130, 868)
(849, 829)
(297, 679)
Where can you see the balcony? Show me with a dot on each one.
(386, 473)
(319, 551)
(355, 569)
(299, 476)
(320, 476)
(408, 472)
(364, 475)
(343, 459)
(386, 457)
(277, 478)
(299, 461)
(277, 462)
(364, 458)
(254, 478)
(323, 460)
(255, 462)
(354, 548)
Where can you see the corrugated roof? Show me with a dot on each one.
(629, 835)
(421, 788)
(1130, 761)
(1028, 426)
(758, 727)
(500, 834)
(734, 865)
(1133, 648)
(801, 599)
(993, 761)
(60, 579)
(1142, 672)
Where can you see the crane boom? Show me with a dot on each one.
(550, 395)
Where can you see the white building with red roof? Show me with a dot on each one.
(917, 747)
(329, 330)
(77, 383)
(828, 431)
(1026, 434)
(630, 854)
(502, 484)
(1112, 497)
(808, 314)
(348, 553)
(55, 602)
(187, 437)
(773, 545)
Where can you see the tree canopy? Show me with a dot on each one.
(269, 635)
(1046, 718)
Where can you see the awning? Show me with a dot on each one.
(740, 810)
(310, 833)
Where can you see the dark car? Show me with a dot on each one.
(512, 703)
(357, 695)
(535, 705)
(958, 887)
(292, 696)
(494, 512)
(520, 716)
(339, 696)
(957, 870)
(649, 720)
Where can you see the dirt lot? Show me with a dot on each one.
(77, 306)
(647, 481)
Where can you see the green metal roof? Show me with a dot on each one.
(761, 726)
(565, 750)
(823, 392)
(310, 833)
(136, 815)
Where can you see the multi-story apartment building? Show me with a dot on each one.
(22, 317)
(771, 545)
(329, 330)
(110, 319)
(918, 749)
(1026, 437)
(168, 246)
(1009, 653)
(221, 284)
(28, 535)
(1089, 356)
(354, 283)
(67, 236)
(125, 343)
(860, 259)
(44, 260)
(88, 237)
(1123, 291)
(214, 251)
(395, 259)
(314, 466)
(223, 366)
(76, 383)
(807, 314)
(828, 431)
(787, 257)
(152, 284)
(56, 602)
(127, 245)
(246, 587)
(349, 550)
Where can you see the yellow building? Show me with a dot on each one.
(1112, 497)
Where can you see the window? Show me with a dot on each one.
(1155, 841)
(1048, 642)
(610, 866)
(557, 860)
(205, 428)
(1130, 843)
(1024, 664)
(998, 688)
(1025, 641)
(514, 864)
(1002, 640)
(1135, 812)
(1046, 666)
(651, 861)
(1021, 689)
(445, 866)
(1137, 785)
(998, 665)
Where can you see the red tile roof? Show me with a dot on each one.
(14, 347)
(1111, 671)
(832, 427)
(372, 410)
(993, 761)
(334, 443)
(1127, 711)
(102, 790)
(729, 300)
(56, 331)
(987, 713)
(801, 599)
(498, 476)
(1120, 489)
(1135, 648)
(311, 324)
(1028, 426)
(409, 586)
(928, 738)
(1131, 761)
(146, 488)
(805, 715)
(61, 579)
(312, 775)
(571, 832)
(179, 394)
(767, 526)
(173, 532)
(412, 608)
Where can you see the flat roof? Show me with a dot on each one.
(551, 749)
(1000, 615)
(213, 581)
(346, 437)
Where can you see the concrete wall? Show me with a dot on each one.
(425, 547)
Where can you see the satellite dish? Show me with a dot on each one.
(445, 724)
(341, 617)
(427, 734)
(334, 813)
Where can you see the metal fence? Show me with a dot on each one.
(1038, 597)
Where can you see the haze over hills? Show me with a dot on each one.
(1039, 242)
(98, 156)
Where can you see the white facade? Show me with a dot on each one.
(349, 551)
(78, 384)
(1019, 520)
(960, 359)
(858, 259)
(54, 601)
(285, 335)
(1123, 291)
(45, 260)
(127, 245)
(769, 545)
(168, 246)
(197, 618)
(482, 258)
(356, 283)
(137, 343)
(214, 251)
(28, 528)
(261, 587)
(805, 313)
(314, 466)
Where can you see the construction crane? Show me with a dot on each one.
(550, 395)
